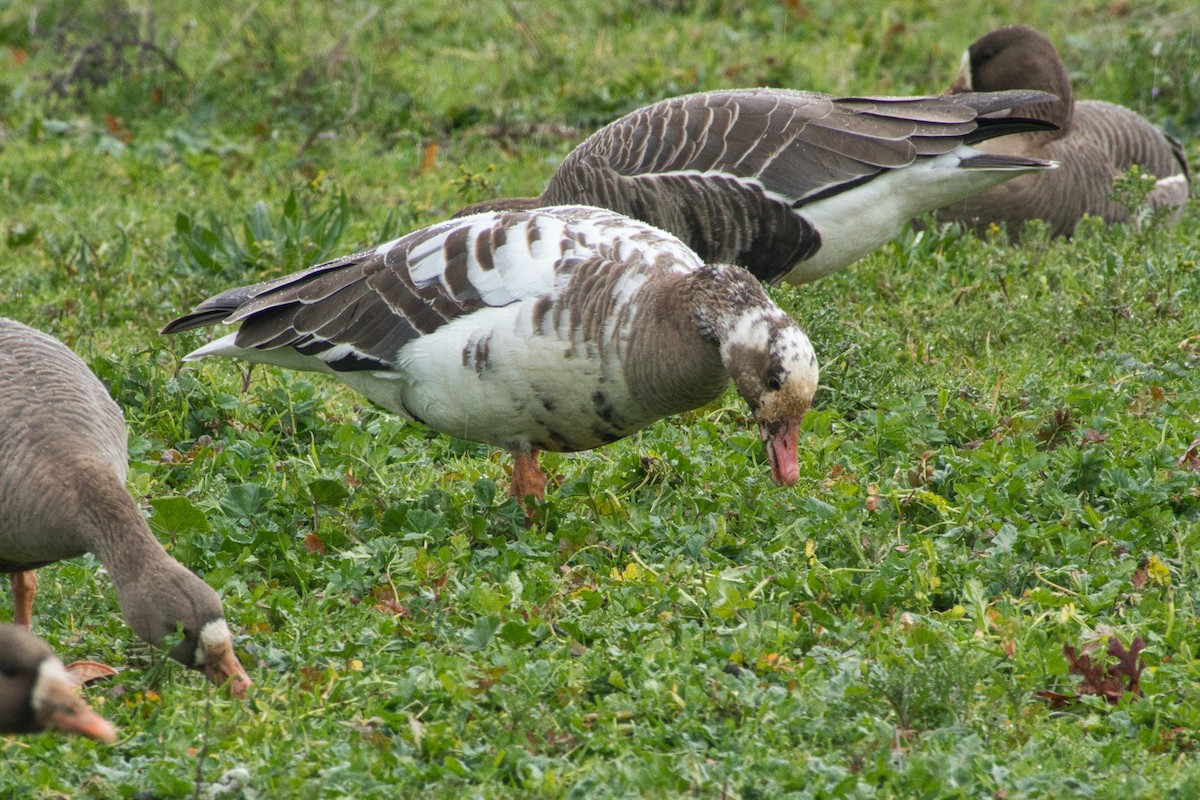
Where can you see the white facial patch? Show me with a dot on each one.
(211, 635)
(798, 350)
(795, 350)
(750, 330)
(964, 70)
(50, 673)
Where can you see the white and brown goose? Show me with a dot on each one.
(791, 185)
(558, 329)
(36, 693)
(1094, 143)
(62, 494)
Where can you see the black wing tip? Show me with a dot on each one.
(991, 127)
(215, 309)
(197, 319)
(996, 161)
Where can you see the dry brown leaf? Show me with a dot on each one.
(118, 129)
(1191, 459)
(429, 156)
(873, 497)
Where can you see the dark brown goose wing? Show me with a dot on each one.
(726, 170)
(357, 312)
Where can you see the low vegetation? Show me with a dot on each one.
(983, 586)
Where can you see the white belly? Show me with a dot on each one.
(489, 377)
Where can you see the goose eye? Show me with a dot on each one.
(774, 380)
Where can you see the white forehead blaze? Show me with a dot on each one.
(212, 635)
(50, 673)
(796, 351)
(753, 329)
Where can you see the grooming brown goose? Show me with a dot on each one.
(62, 494)
(791, 185)
(37, 694)
(1095, 142)
(558, 329)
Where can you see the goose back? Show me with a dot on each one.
(767, 178)
(514, 311)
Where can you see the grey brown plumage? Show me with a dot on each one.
(791, 185)
(559, 329)
(1095, 142)
(36, 694)
(62, 494)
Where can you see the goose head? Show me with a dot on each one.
(1018, 57)
(36, 693)
(182, 602)
(768, 357)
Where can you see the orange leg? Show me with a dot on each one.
(527, 477)
(24, 584)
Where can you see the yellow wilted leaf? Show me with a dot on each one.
(1157, 572)
(630, 573)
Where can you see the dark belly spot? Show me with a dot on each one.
(606, 435)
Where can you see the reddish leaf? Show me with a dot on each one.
(1092, 674)
(313, 544)
(872, 497)
(1100, 679)
(386, 606)
(385, 602)
(1055, 429)
(117, 129)
(1093, 436)
(18, 55)
(1129, 662)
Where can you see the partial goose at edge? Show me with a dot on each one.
(1094, 143)
(36, 693)
(62, 494)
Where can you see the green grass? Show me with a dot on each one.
(992, 470)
